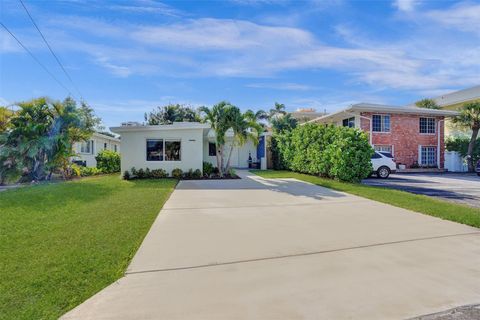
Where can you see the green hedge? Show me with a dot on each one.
(336, 152)
(108, 161)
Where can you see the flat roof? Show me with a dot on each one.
(173, 126)
(371, 107)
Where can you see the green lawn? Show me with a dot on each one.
(419, 203)
(61, 243)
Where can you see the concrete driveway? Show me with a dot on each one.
(285, 249)
(462, 188)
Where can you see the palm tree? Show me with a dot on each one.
(278, 110)
(256, 117)
(469, 117)
(427, 103)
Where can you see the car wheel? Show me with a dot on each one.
(383, 172)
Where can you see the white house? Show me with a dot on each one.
(87, 151)
(183, 145)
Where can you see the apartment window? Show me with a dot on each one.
(428, 156)
(86, 147)
(427, 125)
(381, 123)
(172, 150)
(385, 148)
(155, 150)
(212, 149)
(349, 122)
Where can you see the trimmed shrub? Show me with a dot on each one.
(89, 171)
(336, 152)
(177, 173)
(159, 173)
(141, 174)
(148, 173)
(197, 174)
(134, 172)
(208, 168)
(126, 175)
(108, 161)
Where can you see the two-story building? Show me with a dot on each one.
(414, 136)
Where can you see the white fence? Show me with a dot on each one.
(454, 162)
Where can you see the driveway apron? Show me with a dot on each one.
(259, 248)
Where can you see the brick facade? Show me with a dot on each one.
(405, 137)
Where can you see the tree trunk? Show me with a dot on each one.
(228, 159)
(217, 154)
(471, 146)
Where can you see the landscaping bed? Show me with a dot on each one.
(60, 243)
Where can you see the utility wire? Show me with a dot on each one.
(51, 50)
(36, 59)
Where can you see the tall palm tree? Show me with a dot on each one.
(278, 110)
(469, 117)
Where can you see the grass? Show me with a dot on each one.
(419, 203)
(61, 243)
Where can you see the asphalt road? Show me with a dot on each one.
(457, 187)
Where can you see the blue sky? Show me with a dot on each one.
(126, 57)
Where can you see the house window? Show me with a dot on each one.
(155, 150)
(428, 156)
(349, 122)
(427, 125)
(115, 148)
(172, 150)
(105, 146)
(86, 147)
(380, 123)
(385, 148)
(212, 149)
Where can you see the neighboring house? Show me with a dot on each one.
(87, 150)
(306, 114)
(183, 145)
(414, 136)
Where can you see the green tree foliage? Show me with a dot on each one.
(41, 137)
(329, 151)
(283, 123)
(469, 118)
(460, 144)
(5, 117)
(427, 103)
(172, 113)
(277, 110)
(108, 161)
(224, 117)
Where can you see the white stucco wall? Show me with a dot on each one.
(239, 157)
(98, 145)
(134, 149)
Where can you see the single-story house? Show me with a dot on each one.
(86, 151)
(183, 145)
(414, 136)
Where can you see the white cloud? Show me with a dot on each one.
(463, 16)
(405, 5)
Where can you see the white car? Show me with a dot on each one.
(383, 164)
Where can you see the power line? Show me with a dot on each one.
(51, 50)
(35, 58)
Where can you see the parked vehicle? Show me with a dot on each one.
(383, 164)
(478, 168)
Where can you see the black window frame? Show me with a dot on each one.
(212, 149)
(161, 157)
(349, 122)
(383, 126)
(165, 141)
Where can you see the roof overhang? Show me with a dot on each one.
(165, 127)
(378, 108)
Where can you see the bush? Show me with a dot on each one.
(141, 174)
(460, 145)
(208, 168)
(188, 174)
(76, 170)
(148, 173)
(159, 174)
(335, 152)
(177, 173)
(197, 174)
(126, 175)
(108, 161)
(89, 171)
